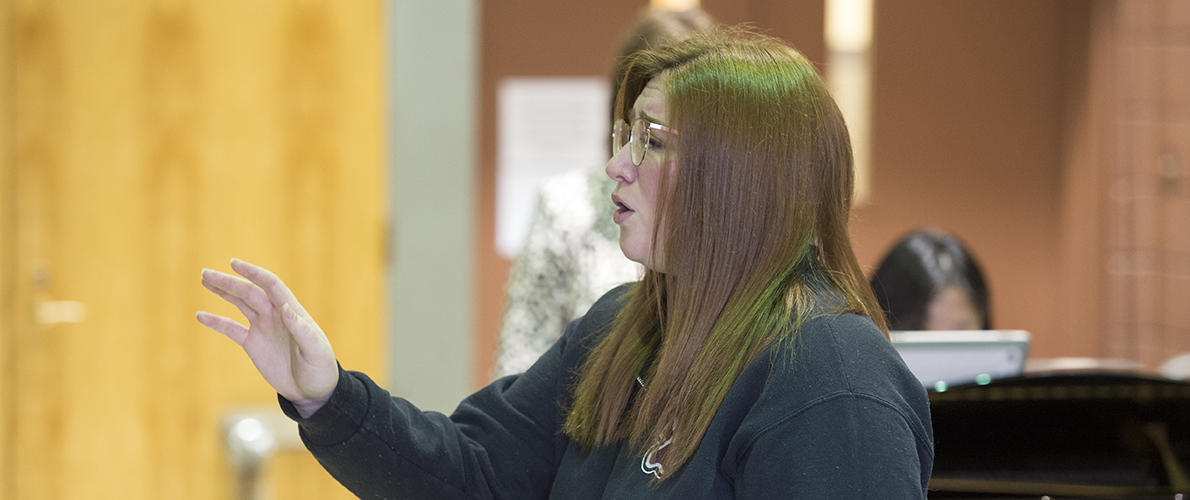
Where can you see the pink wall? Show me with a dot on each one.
(966, 139)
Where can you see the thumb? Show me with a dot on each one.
(305, 332)
(313, 360)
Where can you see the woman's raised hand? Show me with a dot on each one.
(283, 341)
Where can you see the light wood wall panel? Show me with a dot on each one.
(7, 258)
(152, 139)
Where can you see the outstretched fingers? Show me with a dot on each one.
(248, 312)
(275, 289)
(233, 330)
(248, 294)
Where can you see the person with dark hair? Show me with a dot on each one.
(749, 362)
(931, 281)
(571, 255)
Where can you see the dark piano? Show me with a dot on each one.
(1061, 436)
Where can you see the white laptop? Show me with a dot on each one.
(944, 358)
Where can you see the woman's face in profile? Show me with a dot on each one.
(637, 187)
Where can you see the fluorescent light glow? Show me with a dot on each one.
(848, 33)
(675, 5)
(848, 25)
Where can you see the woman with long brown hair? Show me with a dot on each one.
(749, 362)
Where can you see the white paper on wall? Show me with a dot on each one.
(544, 126)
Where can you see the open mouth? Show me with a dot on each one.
(622, 211)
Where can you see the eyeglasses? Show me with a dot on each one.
(638, 136)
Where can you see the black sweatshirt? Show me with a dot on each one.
(835, 416)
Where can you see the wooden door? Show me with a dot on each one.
(143, 141)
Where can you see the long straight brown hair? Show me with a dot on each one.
(763, 175)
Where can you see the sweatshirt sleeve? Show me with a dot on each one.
(503, 442)
(844, 446)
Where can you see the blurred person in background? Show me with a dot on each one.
(571, 255)
(749, 362)
(929, 280)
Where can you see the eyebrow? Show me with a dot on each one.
(644, 116)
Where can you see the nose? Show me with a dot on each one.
(620, 167)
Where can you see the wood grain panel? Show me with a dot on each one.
(171, 117)
(154, 138)
(8, 309)
(39, 149)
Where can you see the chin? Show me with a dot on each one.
(644, 260)
(636, 256)
(638, 259)
(639, 253)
